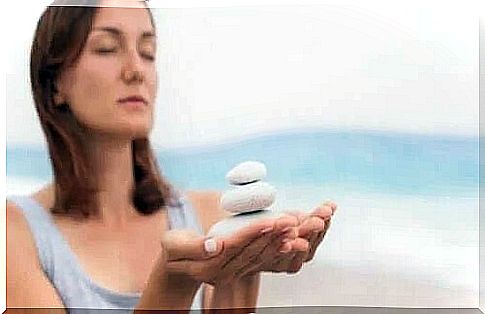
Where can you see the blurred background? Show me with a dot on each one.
(372, 106)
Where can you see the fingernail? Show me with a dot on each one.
(286, 229)
(285, 240)
(210, 246)
(285, 250)
(266, 230)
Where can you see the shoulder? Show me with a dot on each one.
(45, 196)
(206, 205)
(16, 222)
(204, 196)
(18, 234)
(27, 285)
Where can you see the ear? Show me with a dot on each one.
(58, 95)
(59, 100)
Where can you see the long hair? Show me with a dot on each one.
(60, 36)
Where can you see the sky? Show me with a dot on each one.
(228, 72)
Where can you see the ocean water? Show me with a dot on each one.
(363, 161)
(406, 231)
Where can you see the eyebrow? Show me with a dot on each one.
(118, 33)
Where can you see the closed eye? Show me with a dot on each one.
(148, 57)
(105, 50)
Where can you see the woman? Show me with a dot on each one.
(110, 231)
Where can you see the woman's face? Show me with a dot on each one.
(111, 88)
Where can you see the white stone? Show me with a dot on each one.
(245, 172)
(250, 197)
(234, 223)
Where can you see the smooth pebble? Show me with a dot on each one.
(246, 198)
(245, 172)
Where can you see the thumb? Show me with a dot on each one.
(187, 244)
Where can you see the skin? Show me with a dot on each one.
(312, 228)
(118, 61)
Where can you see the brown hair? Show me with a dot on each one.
(59, 38)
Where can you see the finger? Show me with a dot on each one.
(298, 214)
(285, 223)
(333, 205)
(310, 225)
(325, 211)
(301, 247)
(275, 265)
(313, 241)
(316, 243)
(296, 245)
(254, 265)
(187, 244)
(296, 263)
(251, 254)
(257, 254)
(278, 261)
(315, 246)
(292, 260)
(235, 243)
(249, 239)
(289, 263)
(269, 253)
(246, 235)
(327, 225)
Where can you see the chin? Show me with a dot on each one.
(133, 132)
(138, 133)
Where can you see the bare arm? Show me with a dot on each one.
(240, 294)
(27, 285)
(169, 292)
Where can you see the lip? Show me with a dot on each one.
(133, 99)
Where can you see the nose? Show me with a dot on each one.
(132, 70)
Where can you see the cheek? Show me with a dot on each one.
(93, 96)
(95, 86)
(152, 83)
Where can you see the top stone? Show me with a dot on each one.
(245, 172)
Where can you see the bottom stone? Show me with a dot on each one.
(236, 222)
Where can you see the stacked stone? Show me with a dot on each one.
(248, 200)
(249, 192)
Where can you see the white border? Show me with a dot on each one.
(9, 20)
(3, 107)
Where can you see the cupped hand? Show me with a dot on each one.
(222, 260)
(312, 228)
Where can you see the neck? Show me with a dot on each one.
(112, 163)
